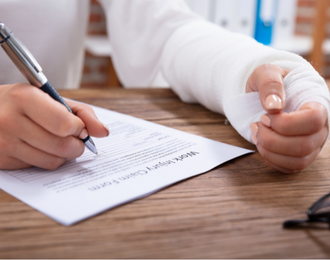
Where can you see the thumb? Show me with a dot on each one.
(267, 79)
(86, 114)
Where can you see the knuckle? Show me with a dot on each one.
(54, 163)
(19, 92)
(272, 82)
(81, 150)
(307, 147)
(3, 120)
(301, 164)
(317, 120)
(10, 163)
(283, 125)
(266, 67)
(66, 126)
(6, 122)
(70, 147)
(64, 147)
(86, 107)
(8, 148)
(267, 141)
(264, 153)
(3, 163)
(16, 93)
(272, 72)
(324, 133)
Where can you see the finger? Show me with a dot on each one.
(288, 162)
(296, 146)
(311, 118)
(41, 139)
(267, 79)
(9, 163)
(283, 170)
(46, 112)
(87, 115)
(32, 156)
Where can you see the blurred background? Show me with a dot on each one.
(299, 26)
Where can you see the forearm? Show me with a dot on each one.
(209, 65)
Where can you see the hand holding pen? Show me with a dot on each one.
(34, 128)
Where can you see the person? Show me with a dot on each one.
(272, 98)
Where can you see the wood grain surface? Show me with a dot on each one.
(233, 211)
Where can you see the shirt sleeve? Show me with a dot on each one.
(138, 31)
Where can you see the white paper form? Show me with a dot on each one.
(137, 159)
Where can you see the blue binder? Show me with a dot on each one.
(265, 20)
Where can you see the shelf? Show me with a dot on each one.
(98, 45)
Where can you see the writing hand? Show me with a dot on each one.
(37, 131)
(288, 142)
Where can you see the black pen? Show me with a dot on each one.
(32, 71)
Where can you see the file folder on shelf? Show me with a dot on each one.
(236, 15)
(225, 14)
(245, 22)
(202, 7)
(284, 29)
(265, 19)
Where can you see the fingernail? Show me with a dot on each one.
(265, 120)
(254, 131)
(273, 102)
(83, 134)
(254, 139)
(106, 128)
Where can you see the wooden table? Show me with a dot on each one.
(233, 211)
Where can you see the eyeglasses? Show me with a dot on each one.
(318, 213)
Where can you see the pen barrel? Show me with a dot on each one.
(51, 91)
(21, 57)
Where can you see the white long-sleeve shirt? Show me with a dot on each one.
(202, 62)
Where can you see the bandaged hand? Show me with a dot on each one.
(288, 142)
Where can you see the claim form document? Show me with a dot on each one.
(137, 159)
